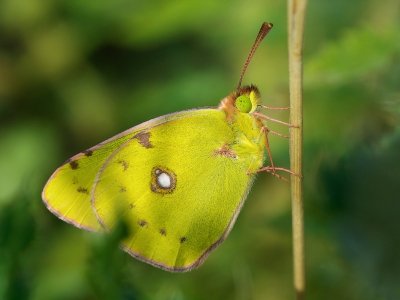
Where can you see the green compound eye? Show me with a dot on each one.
(243, 104)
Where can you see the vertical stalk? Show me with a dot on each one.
(296, 16)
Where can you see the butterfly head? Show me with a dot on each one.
(247, 99)
(243, 100)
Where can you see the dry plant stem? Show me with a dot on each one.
(296, 17)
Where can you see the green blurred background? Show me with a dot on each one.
(74, 73)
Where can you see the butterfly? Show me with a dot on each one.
(179, 181)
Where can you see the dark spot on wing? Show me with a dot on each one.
(83, 190)
(131, 206)
(122, 189)
(163, 231)
(88, 152)
(74, 180)
(143, 223)
(182, 239)
(73, 165)
(144, 139)
(124, 164)
(225, 151)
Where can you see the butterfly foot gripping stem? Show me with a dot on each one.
(272, 169)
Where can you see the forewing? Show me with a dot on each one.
(67, 192)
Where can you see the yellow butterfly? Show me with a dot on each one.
(178, 181)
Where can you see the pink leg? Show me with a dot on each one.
(265, 131)
(271, 169)
(274, 120)
(278, 134)
(273, 108)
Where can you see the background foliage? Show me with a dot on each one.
(74, 73)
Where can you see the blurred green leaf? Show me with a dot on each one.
(358, 54)
(26, 148)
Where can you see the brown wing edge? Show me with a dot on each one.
(56, 212)
(69, 221)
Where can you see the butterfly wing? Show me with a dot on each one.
(178, 187)
(67, 192)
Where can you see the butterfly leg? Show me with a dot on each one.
(265, 131)
(272, 169)
(278, 134)
(273, 108)
(274, 120)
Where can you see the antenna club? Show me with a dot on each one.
(265, 28)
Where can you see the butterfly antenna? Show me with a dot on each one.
(265, 28)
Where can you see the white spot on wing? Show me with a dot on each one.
(164, 180)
